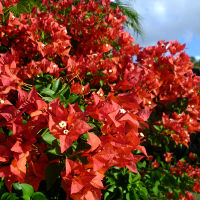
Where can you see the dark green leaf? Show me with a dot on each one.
(38, 196)
(72, 99)
(52, 172)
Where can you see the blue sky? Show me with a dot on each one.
(169, 20)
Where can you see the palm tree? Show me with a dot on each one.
(133, 18)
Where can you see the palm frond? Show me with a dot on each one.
(133, 18)
(23, 6)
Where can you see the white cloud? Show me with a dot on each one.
(197, 58)
(168, 19)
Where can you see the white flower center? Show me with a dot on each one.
(65, 132)
(2, 101)
(123, 111)
(141, 134)
(110, 70)
(62, 124)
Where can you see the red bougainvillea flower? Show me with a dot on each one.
(192, 156)
(168, 157)
(80, 182)
(66, 124)
(155, 164)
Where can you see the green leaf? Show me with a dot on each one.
(38, 196)
(54, 151)
(5, 196)
(52, 172)
(16, 186)
(48, 92)
(49, 99)
(155, 188)
(27, 189)
(143, 193)
(56, 85)
(48, 138)
(134, 195)
(128, 196)
(106, 196)
(158, 128)
(92, 125)
(26, 197)
(101, 83)
(112, 188)
(72, 99)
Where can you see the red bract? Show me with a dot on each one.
(86, 57)
(81, 182)
(168, 157)
(66, 124)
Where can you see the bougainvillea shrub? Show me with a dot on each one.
(83, 107)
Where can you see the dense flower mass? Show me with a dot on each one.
(72, 93)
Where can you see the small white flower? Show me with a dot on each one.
(43, 45)
(149, 102)
(150, 65)
(50, 108)
(54, 66)
(141, 134)
(62, 124)
(99, 93)
(190, 120)
(107, 45)
(192, 106)
(115, 18)
(191, 90)
(65, 31)
(110, 70)
(2, 101)
(123, 111)
(65, 132)
(132, 67)
(83, 89)
(94, 54)
(13, 17)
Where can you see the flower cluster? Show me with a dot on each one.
(84, 49)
